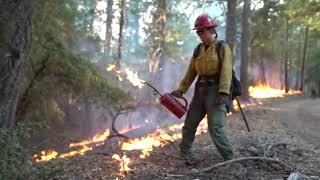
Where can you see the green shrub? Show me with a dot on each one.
(13, 162)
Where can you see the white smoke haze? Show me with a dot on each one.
(150, 115)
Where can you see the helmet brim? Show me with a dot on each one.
(204, 27)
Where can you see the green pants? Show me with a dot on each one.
(203, 103)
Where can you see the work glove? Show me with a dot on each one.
(222, 98)
(177, 93)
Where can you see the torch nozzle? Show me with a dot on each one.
(155, 91)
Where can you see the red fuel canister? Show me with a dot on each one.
(173, 105)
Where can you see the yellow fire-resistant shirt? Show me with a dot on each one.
(207, 63)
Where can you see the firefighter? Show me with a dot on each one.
(211, 89)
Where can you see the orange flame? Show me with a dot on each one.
(78, 152)
(119, 77)
(111, 67)
(147, 143)
(45, 156)
(124, 163)
(83, 146)
(266, 91)
(95, 139)
(131, 76)
(159, 138)
(134, 79)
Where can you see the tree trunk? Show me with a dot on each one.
(15, 38)
(121, 25)
(297, 80)
(282, 61)
(286, 64)
(108, 28)
(262, 72)
(245, 51)
(157, 36)
(162, 27)
(136, 32)
(304, 58)
(231, 23)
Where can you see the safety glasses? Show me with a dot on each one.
(200, 32)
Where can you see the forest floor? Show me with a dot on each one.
(284, 130)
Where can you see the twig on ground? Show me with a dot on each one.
(240, 160)
(267, 153)
(102, 153)
(118, 135)
(174, 175)
(155, 174)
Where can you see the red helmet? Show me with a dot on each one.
(204, 21)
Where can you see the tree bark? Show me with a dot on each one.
(108, 28)
(245, 51)
(15, 39)
(231, 23)
(157, 36)
(286, 64)
(121, 25)
(262, 72)
(163, 16)
(304, 58)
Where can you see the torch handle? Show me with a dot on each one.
(244, 117)
(185, 102)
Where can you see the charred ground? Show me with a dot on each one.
(285, 129)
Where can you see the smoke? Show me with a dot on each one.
(149, 114)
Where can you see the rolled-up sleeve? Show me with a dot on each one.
(188, 77)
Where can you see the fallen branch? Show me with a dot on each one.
(156, 175)
(117, 135)
(240, 160)
(267, 153)
(174, 175)
(102, 153)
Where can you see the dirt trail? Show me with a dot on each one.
(301, 116)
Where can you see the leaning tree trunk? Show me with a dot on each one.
(245, 39)
(304, 58)
(15, 44)
(231, 23)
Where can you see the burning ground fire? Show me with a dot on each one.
(145, 145)
(266, 91)
(83, 146)
(159, 138)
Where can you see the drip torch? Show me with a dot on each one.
(170, 102)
